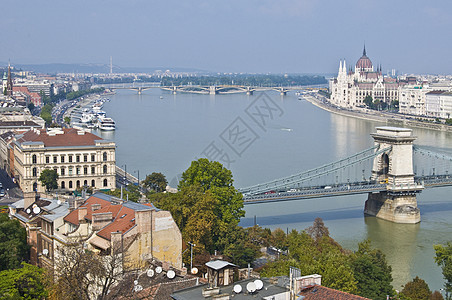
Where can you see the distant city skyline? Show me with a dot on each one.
(255, 36)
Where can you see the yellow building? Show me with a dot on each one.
(80, 158)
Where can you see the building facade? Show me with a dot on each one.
(350, 88)
(80, 158)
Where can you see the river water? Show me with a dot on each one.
(267, 136)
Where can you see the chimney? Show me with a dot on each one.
(29, 199)
(95, 206)
(82, 212)
(143, 221)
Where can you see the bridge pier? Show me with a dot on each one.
(212, 90)
(394, 167)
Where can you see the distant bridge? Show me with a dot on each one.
(203, 89)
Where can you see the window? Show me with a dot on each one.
(78, 183)
(85, 183)
(105, 169)
(77, 170)
(70, 158)
(70, 171)
(93, 170)
(62, 158)
(105, 156)
(62, 171)
(93, 183)
(93, 157)
(85, 170)
(77, 158)
(35, 186)
(63, 185)
(70, 184)
(55, 159)
(85, 157)
(34, 159)
(35, 172)
(47, 159)
(105, 182)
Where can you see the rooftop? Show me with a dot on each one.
(59, 137)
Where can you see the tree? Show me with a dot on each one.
(156, 181)
(67, 120)
(436, 295)
(13, 243)
(46, 113)
(212, 176)
(369, 102)
(318, 229)
(443, 258)
(31, 106)
(83, 274)
(49, 179)
(417, 289)
(372, 272)
(26, 282)
(131, 192)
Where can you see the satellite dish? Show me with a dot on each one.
(171, 274)
(259, 284)
(36, 210)
(135, 282)
(251, 287)
(194, 270)
(150, 273)
(28, 210)
(138, 288)
(237, 288)
(45, 251)
(59, 202)
(158, 270)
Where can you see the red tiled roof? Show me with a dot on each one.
(69, 138)
(123, 218)
(321, 292)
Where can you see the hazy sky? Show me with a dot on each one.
(296, 36)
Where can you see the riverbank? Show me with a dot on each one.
(391, 119)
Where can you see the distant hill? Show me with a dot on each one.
(54, 68)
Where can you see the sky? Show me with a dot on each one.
(250, 36)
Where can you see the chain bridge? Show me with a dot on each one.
(391, 172)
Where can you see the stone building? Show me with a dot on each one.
(350, 88)
(80, 158)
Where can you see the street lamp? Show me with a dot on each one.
(191, 254)
(125, 175)
(138, 176)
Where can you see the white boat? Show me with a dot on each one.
(104, 123)
(87, 117)
(97, 106)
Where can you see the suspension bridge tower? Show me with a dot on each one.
(395, 169)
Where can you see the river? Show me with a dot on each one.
(160, 132)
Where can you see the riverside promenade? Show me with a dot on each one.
(392, 119)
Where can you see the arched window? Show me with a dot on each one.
(78, 183)
(63, 185)
(70, 184)
(105, 182)
(105, 156)
(85, 183)
(34, 159)
(35, 186)
(105, 169)
(93, 183)
(35, 172)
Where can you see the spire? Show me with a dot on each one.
(345, 68)
(364, 51)
(340, 66)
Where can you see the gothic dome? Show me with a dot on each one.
(364, 62)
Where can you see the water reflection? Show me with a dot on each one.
(397, 240)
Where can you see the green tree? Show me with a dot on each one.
(131, 192)
(67, 120)
(13, 243)
(27, 282)
(372, 272)
(417, 289)
(46, 113)
(443, 258)
(31, 106)
(49, 179)
(212, 176)
(155, 181)
(369, 102)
